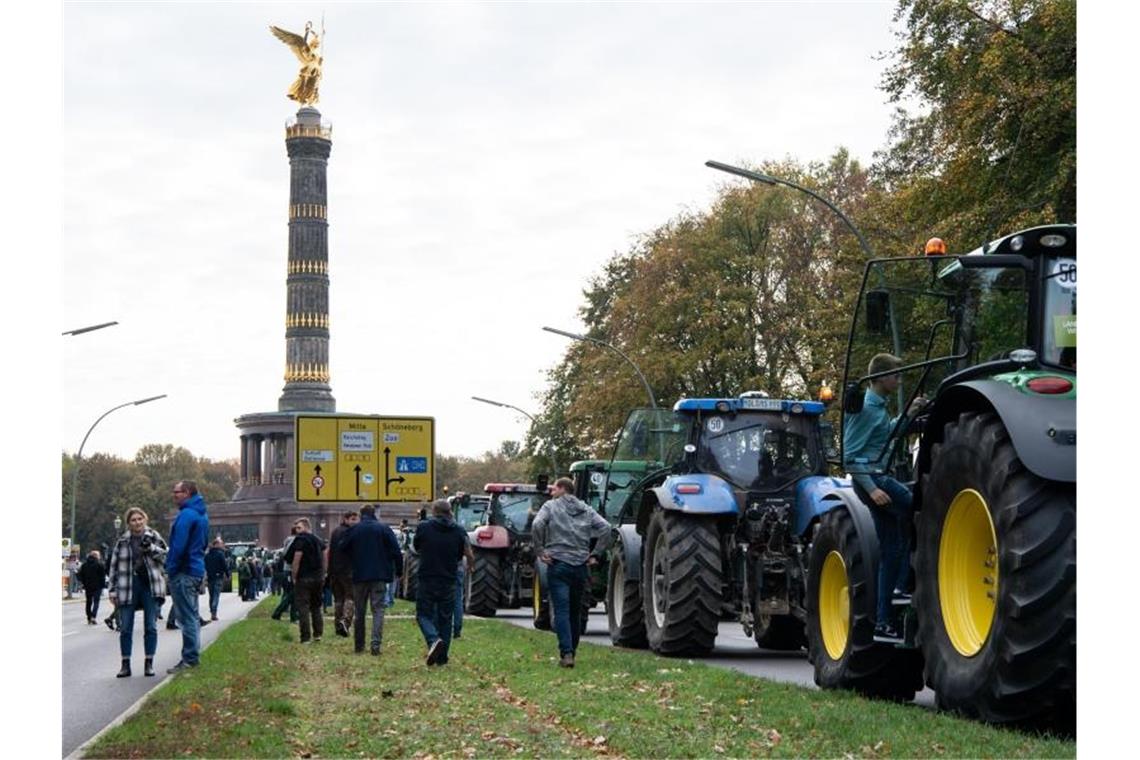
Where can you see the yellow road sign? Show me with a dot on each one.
(360, 458)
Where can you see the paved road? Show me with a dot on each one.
(92, 696)
(733, 651)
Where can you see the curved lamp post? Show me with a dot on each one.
(79, 454)
(550, 452)
(615, 349)
(769, 180)
(81, 330)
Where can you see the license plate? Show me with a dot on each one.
(761, 404)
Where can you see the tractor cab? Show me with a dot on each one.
(1006, 312)
(605, 484)
(514, 505)
(469, 509)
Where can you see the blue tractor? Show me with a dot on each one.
(720, 526)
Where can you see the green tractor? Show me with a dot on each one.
(989, 338)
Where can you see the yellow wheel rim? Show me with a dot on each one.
(834, 605)
(536, 599)
(968, 572)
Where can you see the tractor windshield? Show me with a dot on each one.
(759, 452)
(512, 510)
(655, 436)
(470, 517)
(1060, 328)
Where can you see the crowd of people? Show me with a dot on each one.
(355, 573)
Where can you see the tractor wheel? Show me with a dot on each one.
(781, 632)
(624, 611)
(682, 583)
(486, 579)
(411, 576)
(841, 618)
(996, 576)
(540, 604)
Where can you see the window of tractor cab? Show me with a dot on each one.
(1060, 312)
(515, 508)
(471, 516)
(759, 452)
(652, 435)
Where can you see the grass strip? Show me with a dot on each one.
(259, 693)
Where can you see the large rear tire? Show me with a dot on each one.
(780, 632)
(996, 578)
(682, 583)
(486, 582)
(540, 604)
(841, 617)
(624, 611)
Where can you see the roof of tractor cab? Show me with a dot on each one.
(748, 403)
(1060, 239)
(621, 465)
(514, 488)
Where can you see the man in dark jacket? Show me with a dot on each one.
(216, 570)
(340, 574)
(374, 551)
(186, 566)
(562, 533)
(440, 543)
(306, 558)
(91, 575)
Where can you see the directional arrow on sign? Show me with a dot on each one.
(356, 469)
(388, 481)
(317, 479)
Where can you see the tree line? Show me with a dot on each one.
(755, 292)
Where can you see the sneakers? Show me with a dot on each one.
(566, 661)
(435, 651)
(375, 651)
(203, 623)
(341, 629)
(886, 631)
(181, 666)
(110, 621)
(456, 635)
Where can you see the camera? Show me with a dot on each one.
(145, 544)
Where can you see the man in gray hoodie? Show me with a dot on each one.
(562, 532)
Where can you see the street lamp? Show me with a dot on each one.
(553, 463)
(79, 457)
(118, 525)
(81, 330)
(615, 349)
(769, 180)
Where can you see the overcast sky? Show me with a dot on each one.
(487, 159)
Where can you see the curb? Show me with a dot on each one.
(77, 753)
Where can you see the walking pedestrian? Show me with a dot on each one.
(441, 544)
(186, 567)
(287, 596)
(460, 586)
(562, 532)
(340, 574)
(73, 565)
(373, 550)
(112, 619)
(243, 579)
(306, 558)
(136, 582)
(91, 575)
(216, 573)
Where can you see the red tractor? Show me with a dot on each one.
(503, 574)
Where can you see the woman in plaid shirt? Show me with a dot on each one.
(137, 582)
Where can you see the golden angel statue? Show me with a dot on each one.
(305, 89)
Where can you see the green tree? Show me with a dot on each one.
(986, 141)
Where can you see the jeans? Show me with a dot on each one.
(365, 595)
(142, 598)
(307, 597)
(344, 605)
(435, 605)
(567, 583)
(287, 602)
(215, 595)
(457, 617)
(92, 603)
(184, 594)
(892, 526)
(390, 594)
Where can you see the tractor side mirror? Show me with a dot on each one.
(542, 482)
(852, 399)
(878, 311)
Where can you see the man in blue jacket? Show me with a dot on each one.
(186, 566)
(374, 552)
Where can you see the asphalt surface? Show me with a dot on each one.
(732, 651)
(92, 695)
